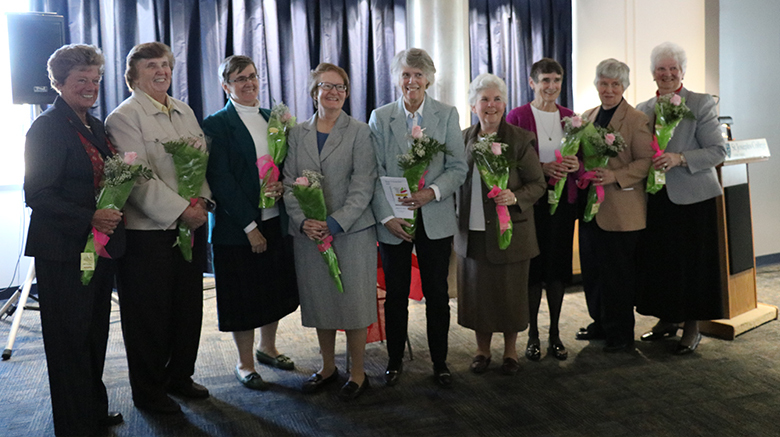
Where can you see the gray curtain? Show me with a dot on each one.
(508, 36)
(285, 38)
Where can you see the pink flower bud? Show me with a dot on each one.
(576, 121)
(285, 117)
(610, 138)
(130, 157)
(675, 100)
(303, 181)
(496, 148)
(417, 132)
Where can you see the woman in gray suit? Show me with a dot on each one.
(340, 148)
(680, 238)
(493, 283)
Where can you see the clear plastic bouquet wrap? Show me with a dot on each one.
(670, 110)
(488, 154)
(279, 124)
(308, 191)
(596, 152)
(576, 130)
(190, 158)
(415, 162)
(119, 176)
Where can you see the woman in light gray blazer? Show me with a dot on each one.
(340, 148)
(679, 266)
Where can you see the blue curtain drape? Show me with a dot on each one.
(285, 38)
(508, 36)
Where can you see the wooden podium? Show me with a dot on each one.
(735, 242)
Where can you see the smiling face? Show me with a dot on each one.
(489, 109)
(332, 99)
(80, 90)
(241, 88)
(413, 83)
(610, 91)
(547, 88)
(154, 78)
(667, 75)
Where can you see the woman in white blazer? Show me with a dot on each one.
(679, 266)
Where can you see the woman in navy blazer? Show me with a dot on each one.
(253, 262)
(64, 158)
(680, 240)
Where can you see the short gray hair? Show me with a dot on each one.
(613, 69)
(668, 50)
(486, 81)
(413, 58)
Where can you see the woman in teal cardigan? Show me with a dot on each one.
(253, 259)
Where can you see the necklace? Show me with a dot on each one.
(548, 132)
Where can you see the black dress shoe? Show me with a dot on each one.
(392, 376)
(655, 336)
(685, 350)
(479, 364)
(592, 332)
(189, 389)
(163, 405)
(533, 350)
(619, 347)
(510, 366)
(316, 381)
(351, 390)
(443, 376)
(558, 350)
(113, 418)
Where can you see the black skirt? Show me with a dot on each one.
(255, 289)
(555, 235)
(679, 266)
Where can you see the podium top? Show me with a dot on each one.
(746, 151)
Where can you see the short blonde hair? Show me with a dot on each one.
(72, 56)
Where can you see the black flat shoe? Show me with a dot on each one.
(113, 418)
(392, 376)
(592, 332)
(479, 364)
(558, 350)
(685, 350)
(443, 377)
(316, 381)
(656, 336)
(533, 350)
(351, 390)
(189, 389)
(510, 366)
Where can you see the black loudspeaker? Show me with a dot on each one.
(32, 38)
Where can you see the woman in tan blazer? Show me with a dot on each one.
(608, 243)
(493, 283)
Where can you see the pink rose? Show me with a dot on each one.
(610, 138)
(576, 121)
(417, 132)
(675, 100)
(496, 148)
(130, 157)
(303, 181)
(285, 117)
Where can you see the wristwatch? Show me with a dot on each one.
(683, 161)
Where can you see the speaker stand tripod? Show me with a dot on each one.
(21, 295)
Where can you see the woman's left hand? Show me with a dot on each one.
(419, 199)
(666, 161)
(315, 229)
(274, 189)
(505, 198)
(604, 176)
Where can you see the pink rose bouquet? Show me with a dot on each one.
(596, 152)
(119, 176)
(576, 130)
(488, 154)
(670, 110)
(279, 124)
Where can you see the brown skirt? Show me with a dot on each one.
(491, 297)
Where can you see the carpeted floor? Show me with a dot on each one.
(727, 388)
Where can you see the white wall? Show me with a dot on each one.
(749, 64)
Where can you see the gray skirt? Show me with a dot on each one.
(491, 297)
(322, 305)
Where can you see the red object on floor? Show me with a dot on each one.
(376, 332)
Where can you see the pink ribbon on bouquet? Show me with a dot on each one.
(559, 159)
(265, 164)
(421, 183)
(502, 210)
(325, 245)
(585, 179)
(656, 147)
(193, 202)
(101, 240)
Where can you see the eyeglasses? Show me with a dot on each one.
(329, 86)
(243, 79)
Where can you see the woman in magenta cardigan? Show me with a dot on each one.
(552, 268)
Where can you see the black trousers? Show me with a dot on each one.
(433, 258)
(74, 321)
(609, 262)
(161, 301)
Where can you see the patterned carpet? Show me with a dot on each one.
(727, 388)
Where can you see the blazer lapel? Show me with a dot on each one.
(431, 118)
(399, 128)
(310, 140)
(335, 136)
(244, 142)
(619, 116)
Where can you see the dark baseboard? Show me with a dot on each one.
(765, 260)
